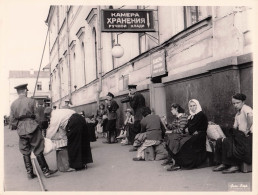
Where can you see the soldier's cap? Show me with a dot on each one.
(110, 94)
(132, 86)
(20, 87)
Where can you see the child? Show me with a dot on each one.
(129, 121)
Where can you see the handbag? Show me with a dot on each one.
(214, 131)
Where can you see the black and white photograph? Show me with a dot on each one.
(128, 96)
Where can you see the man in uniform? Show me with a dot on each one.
(137, 102)
(112, 107)
(30, 136)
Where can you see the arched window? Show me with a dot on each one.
(94, 35)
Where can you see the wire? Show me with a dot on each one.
(40, 64)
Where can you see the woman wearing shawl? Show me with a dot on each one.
(192, 145)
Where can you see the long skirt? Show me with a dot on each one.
(78, 146)
(175, 141)
(193, 152)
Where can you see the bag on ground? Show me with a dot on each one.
(214, 131)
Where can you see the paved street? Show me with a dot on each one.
(113, 170)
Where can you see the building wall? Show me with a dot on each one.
(14, 81)
(200, 58)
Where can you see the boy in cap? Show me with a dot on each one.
(112, 107)
(137, 102)
(30, 136)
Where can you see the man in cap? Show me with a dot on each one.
(137, 102)
(30, 136)
(112, 107)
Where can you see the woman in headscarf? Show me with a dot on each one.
(192, 149)
(231, 151)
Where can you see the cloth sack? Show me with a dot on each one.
(214, 131)
(161, 152)
(62, 161)
(49, 146)
(99, 128)
(149, 153)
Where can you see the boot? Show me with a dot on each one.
(29, 167)
(108, 141)
(44, 167)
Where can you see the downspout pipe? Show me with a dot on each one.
(99, 56)
(58, 54)
(68, 55)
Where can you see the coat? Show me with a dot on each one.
(137, 102)
(23, 115)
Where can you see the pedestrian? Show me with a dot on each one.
(191, 149)
(128, 124)
(101, 115)
(40, 118)
(137, 102)
(74, 125)
(152, 125)
(30, 136)
(112, 107)
(231, 151)
(175, 131)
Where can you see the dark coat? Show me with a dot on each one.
(112, 107)
(137, 102)
(193, 152)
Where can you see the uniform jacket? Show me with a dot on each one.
(22, 115)
(112, 107)
(137, 102)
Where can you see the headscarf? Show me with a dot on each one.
(198, 109)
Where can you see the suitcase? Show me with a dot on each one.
(62, 160)
(149, 153)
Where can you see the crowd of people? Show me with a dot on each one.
(181, 144)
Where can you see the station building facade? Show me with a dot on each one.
(203, 53)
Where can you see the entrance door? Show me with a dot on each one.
(158, 99)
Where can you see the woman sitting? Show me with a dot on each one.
(191, 151)
(152, 125)
(176, 130)
(231, 151)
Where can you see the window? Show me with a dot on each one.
(39, 86)
(125, 82)
(147, 41)
(193, 14)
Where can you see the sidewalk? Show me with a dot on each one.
(114, 170)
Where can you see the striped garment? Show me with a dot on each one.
(60, 143)
(178, 124)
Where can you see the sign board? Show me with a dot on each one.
(127, 20)
(158, 64)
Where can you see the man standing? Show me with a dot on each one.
(66, 122)
(137, 102)
(30, 136)
(112, 107)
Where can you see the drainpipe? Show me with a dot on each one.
(58, 55)
(68, 55)
(99, 56)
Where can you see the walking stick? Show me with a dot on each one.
(37, 173)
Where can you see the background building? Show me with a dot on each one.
(203, 52)
(42, 88)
